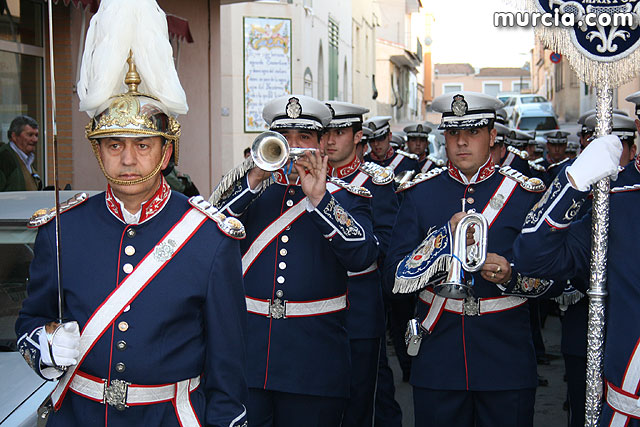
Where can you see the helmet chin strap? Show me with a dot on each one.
(96, 152)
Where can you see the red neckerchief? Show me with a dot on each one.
(346, 170)
(485, 172)
(280, 178)
(150, 208)
(387, 156)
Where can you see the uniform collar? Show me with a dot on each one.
(422, 157)
(280, 177)
(483, 173)
(637, 163)
(346, 170)
(387, 156)
(148, 209)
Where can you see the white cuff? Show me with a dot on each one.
(258, 187)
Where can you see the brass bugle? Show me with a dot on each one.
(270, 151)
(454, 285)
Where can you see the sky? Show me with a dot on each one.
(463, 31)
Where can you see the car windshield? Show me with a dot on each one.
(14, 276)
(532, 99)
(538, 123)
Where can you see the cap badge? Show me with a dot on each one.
(371, 126)
(419, 128)
(459, 106)
(294, 109)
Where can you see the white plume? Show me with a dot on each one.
(120, 26)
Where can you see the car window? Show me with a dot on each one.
(538, 123)
(532, 99)
(14, 276)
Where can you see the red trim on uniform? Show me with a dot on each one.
(637, 163)
(330, 236)
(346, 170)
(464, 350)
(90, 398)
(132, 299)
(387, 155)
(149, 209)
(554, 226)
(484, 172)
(316, 314)
(174, 402)
(273, 291)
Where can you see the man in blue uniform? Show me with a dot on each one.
(476, 364)
(381, 151)
(365, 316)
(418, 144)
(154, 314)
(305, 231)
(562, 243)
(556, 154)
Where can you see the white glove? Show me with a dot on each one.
(599, 160)
(61, 347)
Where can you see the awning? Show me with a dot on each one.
(178, 27)
(92, 5)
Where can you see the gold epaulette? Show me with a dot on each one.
(533, 184)
(409, 155)
(230, 226)
(354, 189)
(421, 177)
(520, 153)
(43, 216)
(439, 163)
(536, 166)
(561, 162)
(379, 174)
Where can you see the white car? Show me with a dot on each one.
(515, 103)
(22, 391)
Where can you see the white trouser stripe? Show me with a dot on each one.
(184, 411)
(127, 291)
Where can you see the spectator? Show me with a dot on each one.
(17, 172)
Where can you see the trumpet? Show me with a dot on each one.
(270, 151)
(471, 261)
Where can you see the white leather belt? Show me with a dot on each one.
(279, 309)
(369, 269)
(475, 306)
(121, 394)
(623, 402)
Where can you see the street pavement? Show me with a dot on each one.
(549, 399)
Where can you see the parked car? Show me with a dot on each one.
(504, 96)
(21, 390)
(516, 103)
(534, 117)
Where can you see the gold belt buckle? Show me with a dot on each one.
(116, 394)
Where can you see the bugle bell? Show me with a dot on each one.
(471, 261)
(270, 151)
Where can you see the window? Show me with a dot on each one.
(308, 83)
(320, 73)
(345, 82)
(333, 58)
(22, 68)
(491, 88)
(452, 87)
(519, 86)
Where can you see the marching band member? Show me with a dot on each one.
(305, 231)
(476, 363)
(418, 144)
(154, 314)
(365, 317)
(382, 152)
